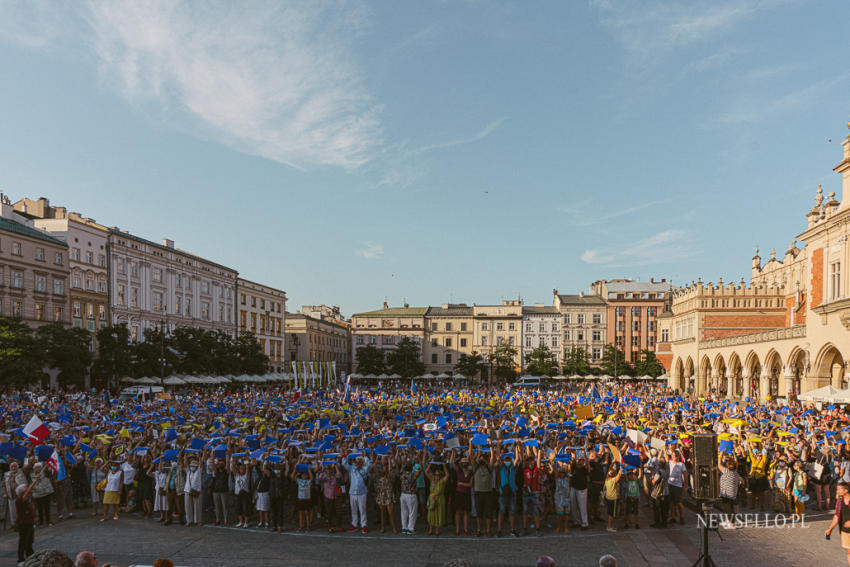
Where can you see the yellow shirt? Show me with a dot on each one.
(611, 488)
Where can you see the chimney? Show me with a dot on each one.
(581, 294)
(663, 280)
(168, 243)
(651, 280)
(555, 292)
(386, 305)
(406, 305)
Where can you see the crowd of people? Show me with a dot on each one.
(476, 462)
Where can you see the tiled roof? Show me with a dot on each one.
(581, 299)
(449, 312)
(531, 309)
(121, 234)
(20, 228)
(394, 312)
(637, 286)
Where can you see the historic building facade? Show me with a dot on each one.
(448, 336)
(541, 326)
(262, 311)
(160, 286)
(632, 311)
(789, 331)
(33, 271)
(584, 324)
(318, 334)
(88, 283)
(495, 325)
(384, 328)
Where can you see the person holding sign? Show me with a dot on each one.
(436, 497)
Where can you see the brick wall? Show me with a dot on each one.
(665, 359)
(800, 316)
(817, 277)
(717, 326)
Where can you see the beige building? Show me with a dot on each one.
(384, 328)
(318, 339)
(89, 277)
(495, 325)
(541, 327)
(786, 333)
(33, 271)
(584, 324)
(448, 335)
(262, 311)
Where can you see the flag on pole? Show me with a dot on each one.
(53, 462)
(594, 394)
(412, 387)
(35, 430)
(347, 389)
(295, 374)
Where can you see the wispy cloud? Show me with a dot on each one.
(277, 80)
(666, 246)
(489, 129)
(583, 215)
(370, 250)
(647, 30)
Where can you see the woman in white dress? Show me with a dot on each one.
(160, 498)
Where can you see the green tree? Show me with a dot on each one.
(20, 359)
(370, 360)
(66, 350)
(648, 364)
(614, 362)
(576, 362)
(114, 353)
(470, 365)
(405, 359)
(542, 362)
(504, 358)
(147, 353)
(252, 359)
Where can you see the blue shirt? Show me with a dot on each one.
(357, 476)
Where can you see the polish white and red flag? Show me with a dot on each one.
(53, 461)
(36, 431)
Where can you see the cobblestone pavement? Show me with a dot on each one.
(132, 540)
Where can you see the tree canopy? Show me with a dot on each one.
(405, 360)
(542, 362)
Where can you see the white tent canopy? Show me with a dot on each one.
(826, 394)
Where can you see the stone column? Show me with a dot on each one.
(764, 385)
(730, 385)
(789, 381)
(747, 383)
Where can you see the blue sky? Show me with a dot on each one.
(350, 152)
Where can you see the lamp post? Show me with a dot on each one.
(161, 360)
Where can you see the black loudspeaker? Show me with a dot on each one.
(706, 473)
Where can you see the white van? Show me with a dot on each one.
(143, 393)
(530, 382)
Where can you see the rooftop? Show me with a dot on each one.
(394, 312)
(450, 311)
(530, 310)
(633, 286)
(581, 299)
(22, 229)
(121, 234)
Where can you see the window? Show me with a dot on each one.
(483, 341)
(635, 326)
(665, 335)
(359, 339)
(567, 318)
(16, 309)
(580, 335)
(205, 288)
(16, 249)
(528, 327)
(75, 254)
(205, 310)
(597, 318)
(581, 318)
(448, 342)
(89, 257)
(242, 298)
(134, 333)
(76, 282)
(433, 358)
(541, 341)
(58, 314)
(89, 284)
(635, 311)
(835, 280)
(156, 301)
(619, 341)
(541, 327)
(101, 286)
(448, 326)
(156, 274)
(18, 279)
(567, 335)
(485, 326)
(41, 283)
(555, 341)
(500, 326)
(178, 309)
(512, 326)
(122, 295)
(651, 326)
(528, 341)
(621, 325)
(433, 342)
(596, 353)
(57, 259)
(635, 340)
(448, 358)
(101, 312)
(555, 327)
(89, 311)
(388, 340)
(39, 254)
(433, 326)
(39, 312)
(596, 336)
(134, 297)
(134, 269)
(651, 311)
(189, 308)
(253, 301)
(101, 260)
(511, 341)
(621, 311)
(463, 343)
(371, 339)
(463, 326)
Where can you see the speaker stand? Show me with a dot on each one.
(704, 559)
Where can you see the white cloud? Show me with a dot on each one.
(666, 246)
(583, 215)
(489, 129)
(277, 80)
(370, 250)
